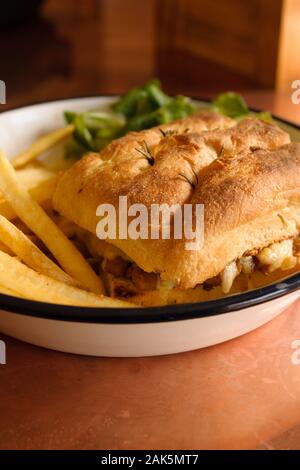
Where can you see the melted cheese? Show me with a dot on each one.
(278, 255)
(228, 276)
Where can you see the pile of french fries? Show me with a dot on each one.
(38, 260)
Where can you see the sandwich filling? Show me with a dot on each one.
(124, 279)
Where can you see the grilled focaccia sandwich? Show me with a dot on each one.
(246, 175)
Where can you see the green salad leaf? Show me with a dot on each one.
(140, 108)
(231, 104)
(93, 129)
(177, 108)
(264, 116)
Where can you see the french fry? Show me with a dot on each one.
(6, 249)
(29, 253)
(27, 283)
(41, 193)
(44, 143)
(37, 181)
(38, 221)
(6, 291)
(33, 176)
(68, 227)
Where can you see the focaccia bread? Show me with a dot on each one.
(246, 175)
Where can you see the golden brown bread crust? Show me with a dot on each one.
(242, 188)
(250, 201)
(101, 178)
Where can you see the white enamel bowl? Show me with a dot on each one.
(133, 332)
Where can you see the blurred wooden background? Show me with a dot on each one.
(197, 47)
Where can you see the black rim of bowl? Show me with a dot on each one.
(174, 312)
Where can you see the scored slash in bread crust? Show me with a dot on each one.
(244, 173)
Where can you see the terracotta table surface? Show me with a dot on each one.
(241, 394)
